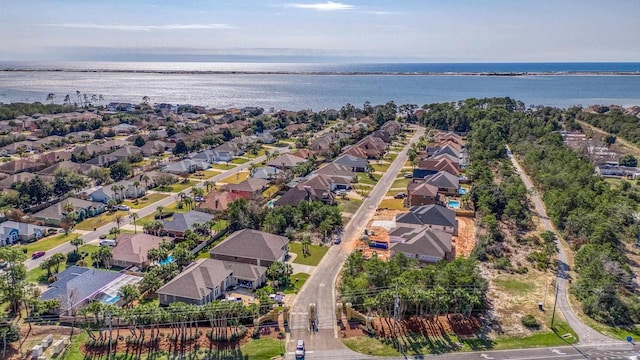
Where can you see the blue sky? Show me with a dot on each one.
(412, 30)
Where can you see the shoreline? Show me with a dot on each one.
(333, 73)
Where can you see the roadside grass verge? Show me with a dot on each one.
(262, 349)
(177, 187)
(316, 254)
(295, 286)
(145, 201)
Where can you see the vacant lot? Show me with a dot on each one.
(350, 205)
(380, 167)
(49, 243)
(400, 183)
(316, 254)
(177, 187)
(239, 161)
(364, 178)
(466, 239)
(236, 178)
(392, 204)
(205, 175)
(101, 220)
(145, 201)
(223, 166)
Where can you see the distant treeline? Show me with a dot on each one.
(13, 110)
(616, 123)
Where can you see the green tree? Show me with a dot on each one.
(139, 141)
(279, 273)
(134, 216)
(628, 160)
(12, 280)
(129, 293)
(120, 171)
(77, 242)
(181, 148)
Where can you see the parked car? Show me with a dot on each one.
(198, 198)
(124, 207)
(108, 243)
(300, 350)
(103, 236)
(337, 240)
(37, 254)
(400, 195)
(408, 176)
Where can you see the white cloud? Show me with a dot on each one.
(121, 27)
(328, 6)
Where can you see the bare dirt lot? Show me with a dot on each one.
(466, 239)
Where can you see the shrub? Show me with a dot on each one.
(502, 264)
(51, 279)
(530, 322)
(164, 215)
(73, 256)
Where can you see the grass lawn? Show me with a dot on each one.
(223, 166)
(39, 275)
(236, 178)
(49, 243)
(370, 346)
(294, 286)
(204, 175)
(363, 178)
(390, 156)
(239, 161)
(177, 187)
(73, 351)
(317, 253)
(262, 349)
(350, 205)
(145, 201)
(513, 285)
(392, 204)
(271, 191)
(620, 333)
(100, 220)
(149, 218)
(401, 183)
(542, 339)
(397, 191)
(380, 167)
(253, 156)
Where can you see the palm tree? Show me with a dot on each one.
(67, 100)
(133, 217)
(114, 231)
(146, 179)
(306, 242)
(78, 97)
(56, 260)
(136, 184)
(129, 293)
(115, 189)
(51, 97)
(118, 221)
(160, 209)
(111, 203)
(77, 242)
(70, 215)
(207, 185)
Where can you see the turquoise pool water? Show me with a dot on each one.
(167, 261)
(271, 203)
(112, 299)
(455, 204)
(462, 191)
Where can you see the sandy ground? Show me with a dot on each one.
(466, 239)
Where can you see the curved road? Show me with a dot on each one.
(586, 334)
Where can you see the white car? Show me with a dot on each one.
(124, 207)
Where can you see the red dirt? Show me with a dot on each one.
(438, 326)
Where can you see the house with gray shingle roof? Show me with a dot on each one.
(423, 244)
(285, 161)
(55, 213)
(186, 166)
(182, 222)
(208, 279)
(435, 217)
(354, 163)
(76, 286)
(252, 247)
(446, 183)
(14, 231)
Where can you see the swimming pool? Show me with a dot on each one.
(455, 204)
(168, 260)
(271, 203)
(462, 191)
(111, 299)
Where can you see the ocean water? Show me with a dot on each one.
(319, 86)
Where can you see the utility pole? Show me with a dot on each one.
(553, 315)
(396, 305)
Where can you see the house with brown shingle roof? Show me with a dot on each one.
(250, 188)
(132, 249)
(218, 201)
(21, 165)
(285, 161)
(421, 193)
(440, 164)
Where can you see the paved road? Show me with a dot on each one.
(586, 334)
(320, 288)
(608, 352)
